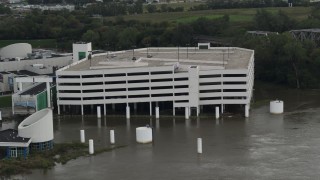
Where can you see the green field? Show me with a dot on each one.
(36, 43)
(5, 101)
(236, 15)
(186, 6)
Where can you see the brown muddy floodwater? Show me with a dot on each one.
(263, 146)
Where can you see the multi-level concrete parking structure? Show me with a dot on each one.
(183, 77)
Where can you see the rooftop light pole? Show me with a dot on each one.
(133, 58)
(187, 51)
(107, 49)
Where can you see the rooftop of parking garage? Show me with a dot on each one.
(217, 58)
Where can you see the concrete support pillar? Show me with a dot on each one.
(105, 110)
(99, 123)
(217, 112)
(198, 111)
(20, 86)
(82, 113)
(0, 116)
(128, 124)
(157, 123)
(113, 107)
(58, 109)
(157, 112)
(150, 107)
(128, 112)
(135, 107)
(222, 108)
(187, 112)
(174, 111)
(246, 110)
(48, 94)
(98, 111)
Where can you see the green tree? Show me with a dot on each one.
(90, 36)
(151, 8)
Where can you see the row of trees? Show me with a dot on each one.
(283, 60)
(279, 58)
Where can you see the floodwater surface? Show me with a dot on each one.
(263, 146)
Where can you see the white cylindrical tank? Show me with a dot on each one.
(276, 107)
(91, 148)
(82, 136)
(144, 134)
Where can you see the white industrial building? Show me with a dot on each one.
(188, 78)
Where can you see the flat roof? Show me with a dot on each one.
(228, 58)
(35, 90)
(11, 135)
(24, 72)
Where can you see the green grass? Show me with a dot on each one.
(5, 101)
(233, 18)
(61, 153)
(36, 43)
(236, 15)
(186, 6)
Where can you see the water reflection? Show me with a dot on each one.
(263, 146)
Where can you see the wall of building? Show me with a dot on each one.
(154, 84)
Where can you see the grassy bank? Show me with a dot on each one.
(236, 15)
(61, 153)
(36, 43)
(5, 101)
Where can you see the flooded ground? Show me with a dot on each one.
(263, 146)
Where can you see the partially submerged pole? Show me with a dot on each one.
(91, 148)
(82, 136)
(199, 145)
(112, 139)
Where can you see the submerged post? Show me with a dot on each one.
(217, 112)
(91, 148)
(246, 109)
(112, 139)
(199, 145)
(82, 136)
